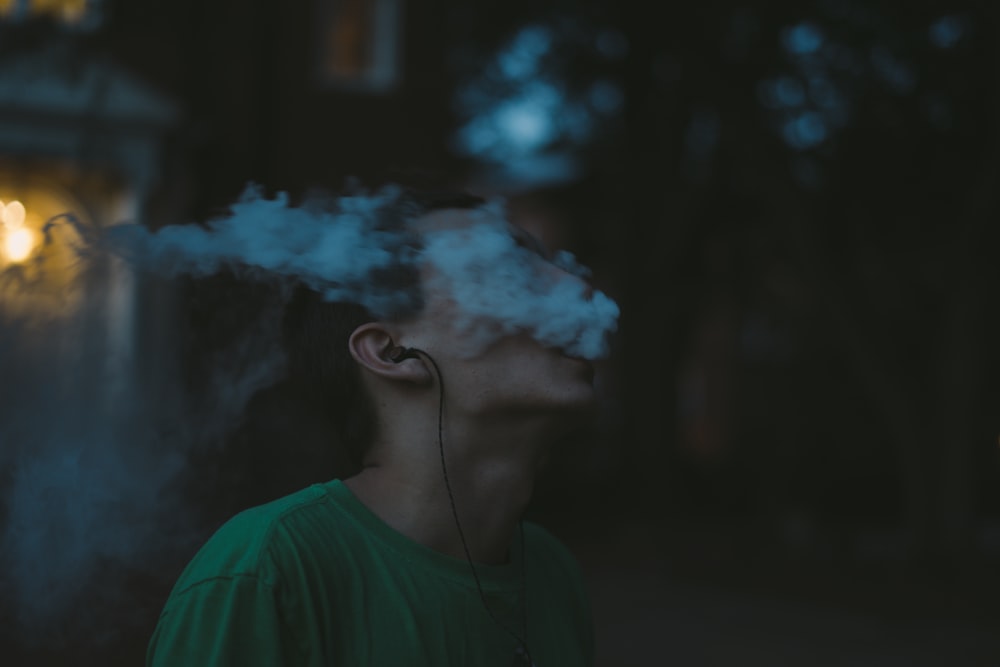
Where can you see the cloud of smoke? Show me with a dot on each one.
(333, 247)
(93, 462)
(84, 482)
(500, 287)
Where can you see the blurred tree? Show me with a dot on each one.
(844, 154)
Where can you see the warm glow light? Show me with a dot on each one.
(18, 244)
(39, 270)
(68, 11)
(13, 215)
(73, 10)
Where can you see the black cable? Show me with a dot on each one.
(468, 554)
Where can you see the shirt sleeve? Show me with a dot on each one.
(224, 621)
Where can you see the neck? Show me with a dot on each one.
(491, 471)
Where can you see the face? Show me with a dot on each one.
(490, 289)
(502, 283)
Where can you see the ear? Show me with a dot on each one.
(372, 347)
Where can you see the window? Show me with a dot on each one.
(359, 44)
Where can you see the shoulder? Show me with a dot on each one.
(248, 595)
(244, 546)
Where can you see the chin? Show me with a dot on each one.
(569, 396)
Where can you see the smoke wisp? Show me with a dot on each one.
(341, 250)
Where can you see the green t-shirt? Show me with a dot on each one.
(316, 578)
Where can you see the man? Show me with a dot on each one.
(421, 557)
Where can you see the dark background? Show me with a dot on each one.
(795, 205)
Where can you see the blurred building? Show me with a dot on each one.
(81, 149)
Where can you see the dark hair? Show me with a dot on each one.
(321, 370)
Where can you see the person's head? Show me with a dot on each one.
(317, 331)
(481, 303)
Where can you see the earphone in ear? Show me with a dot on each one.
(402, 353)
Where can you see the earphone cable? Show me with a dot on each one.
(461, 534)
